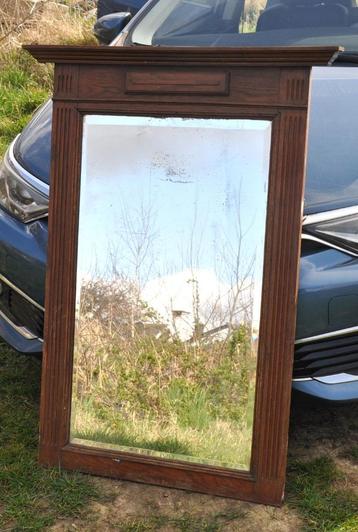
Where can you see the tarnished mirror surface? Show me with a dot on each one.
(169, 276)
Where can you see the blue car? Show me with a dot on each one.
(326, 350)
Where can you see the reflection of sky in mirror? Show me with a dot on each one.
(166, 202)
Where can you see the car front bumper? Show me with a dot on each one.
(18, 337)
(22, 280)
(338, 388)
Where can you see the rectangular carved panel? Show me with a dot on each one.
(177, 82)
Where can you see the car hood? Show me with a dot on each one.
(33, 147)
(332, 162)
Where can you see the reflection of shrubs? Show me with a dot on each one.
(240, 347)
(115, 305)
(146, 391)
(240, 341)
(189, 403)
(162, 377)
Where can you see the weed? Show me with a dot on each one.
(324, 506)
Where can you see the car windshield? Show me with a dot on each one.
(332, 175)
(249, 23)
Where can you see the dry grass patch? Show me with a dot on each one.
(45, 21)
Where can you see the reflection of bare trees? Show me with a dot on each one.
(214, 306)
(239, 268)
(137, 236)
(235, 262)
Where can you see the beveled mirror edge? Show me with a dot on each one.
(265, 482)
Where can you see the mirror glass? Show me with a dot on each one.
(169, 278)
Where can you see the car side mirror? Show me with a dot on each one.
(108, 27)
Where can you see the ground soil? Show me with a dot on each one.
(317, 429)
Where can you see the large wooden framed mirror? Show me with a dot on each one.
(175, 216)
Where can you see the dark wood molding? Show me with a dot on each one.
(228, 84)
(257, 56)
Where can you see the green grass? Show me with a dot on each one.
(23, 87)
(31, 497)
(313, 489)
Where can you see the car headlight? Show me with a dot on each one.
(341, 232)
(18, 197)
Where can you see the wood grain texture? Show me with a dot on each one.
(244, 85)
(60, 286)
(176, 81)
(282, 96)
(164, 56)
(277, 328)
(66, 81)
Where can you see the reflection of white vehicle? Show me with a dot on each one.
(195, 302)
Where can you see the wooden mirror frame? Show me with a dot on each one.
(252, 83)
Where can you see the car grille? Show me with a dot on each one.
(20, 311)
(327, 357)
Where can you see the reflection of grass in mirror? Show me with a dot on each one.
(219, 442)
(186, 398)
